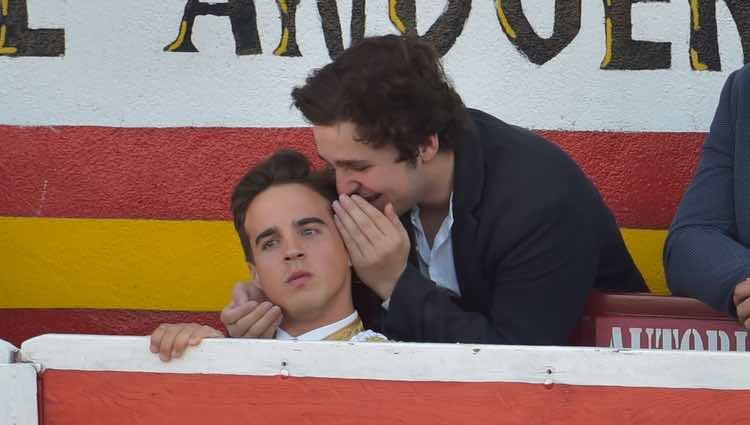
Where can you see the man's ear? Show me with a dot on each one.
(254, 275)
(430, 148)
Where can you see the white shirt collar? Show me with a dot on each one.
(320, 333)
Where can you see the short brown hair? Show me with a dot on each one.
(283, 167)
(394, 90)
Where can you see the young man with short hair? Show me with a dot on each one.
(508, 236)
(282, 213)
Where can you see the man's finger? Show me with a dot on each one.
(204, 331)
(181, 340)
(271, 331)
(244, 325)
(741, 292)
(167, 341)
(382, 222)
(230, 315)
(264, 323)
(363, 220)
(355, 232)
(354, 251)
(156, 337)
(390, 213)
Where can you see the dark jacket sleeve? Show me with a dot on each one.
(702, 257)
(536, 289)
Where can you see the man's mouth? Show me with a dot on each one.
(370, 198)
(298, 278)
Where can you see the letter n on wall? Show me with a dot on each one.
(17, 39)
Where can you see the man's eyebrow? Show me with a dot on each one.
(266, 233)
(351, 163)
(309, 220)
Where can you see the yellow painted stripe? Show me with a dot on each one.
(5, 50)
(158, 265)
(646, 248)
(180, 37)
(393, 15)
(284, 7)
(696, 62)
(284, 45)
(504, 20)
(695, 14)
(608, 54)
(135, 264)
(5, 7)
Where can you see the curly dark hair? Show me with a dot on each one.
(283, 167)
(395, 91)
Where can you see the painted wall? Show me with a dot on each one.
(125, 124)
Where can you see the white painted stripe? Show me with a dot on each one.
(18, 395)
(401, 361)
(114, 72)
(7, 351)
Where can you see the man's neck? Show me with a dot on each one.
(439, 184)
(435, 203)
(299, 327)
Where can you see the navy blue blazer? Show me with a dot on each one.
(707, 252)
(531, 238)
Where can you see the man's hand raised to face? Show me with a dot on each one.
(741, 300)
(250, 314)
(377, 242)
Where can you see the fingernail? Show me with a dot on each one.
(336, 204)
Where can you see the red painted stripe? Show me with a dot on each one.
(18, 325)
(74, 397)
(188, 173)
(102, 172)
(642, 176)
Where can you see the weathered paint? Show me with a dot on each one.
(399, 361)
(18, 394)
(127, 398)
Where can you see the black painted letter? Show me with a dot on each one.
(443, 32)
(241, 14)
(16, 39)
(622, 52)
(539, 50)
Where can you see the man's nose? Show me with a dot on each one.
(345, 184)
(293, 252)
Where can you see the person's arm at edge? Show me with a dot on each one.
(702, 258)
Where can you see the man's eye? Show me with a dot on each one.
(269, 244)
(309, 231)
(360, 167)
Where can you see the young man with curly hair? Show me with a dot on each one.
(506, 235)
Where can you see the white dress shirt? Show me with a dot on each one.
(436, 262)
